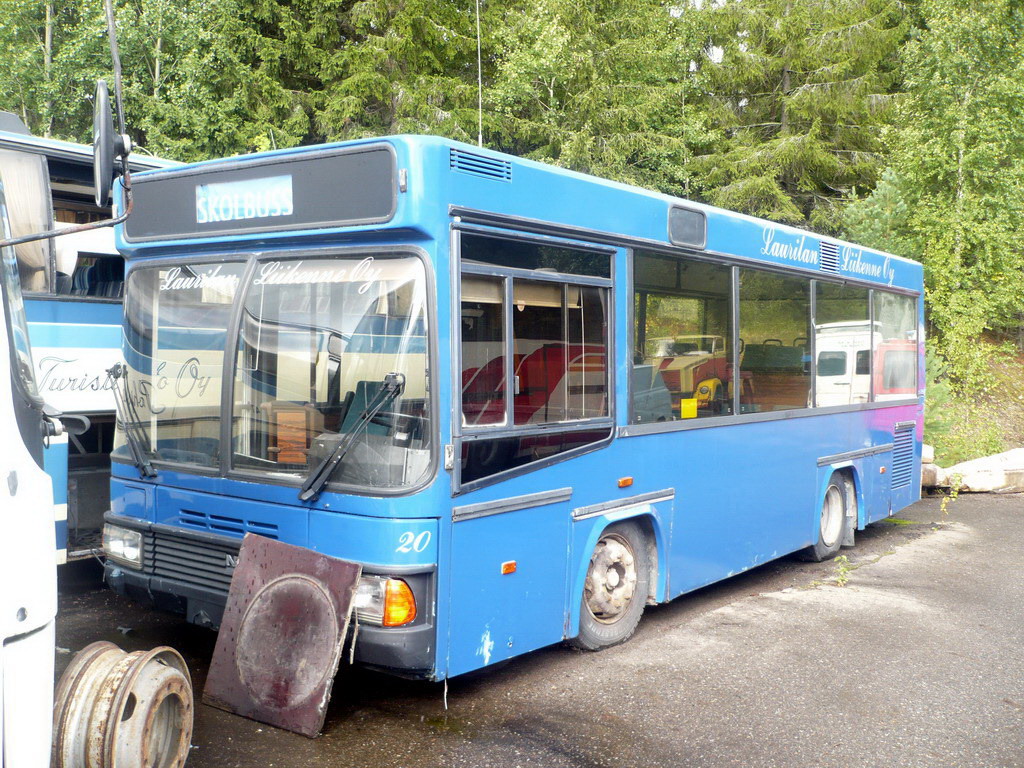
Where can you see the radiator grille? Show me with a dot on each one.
(902, 457)
(189, 560)
(479, 165)
(828, 259)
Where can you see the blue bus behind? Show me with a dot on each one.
(73, 287)
(555, 399)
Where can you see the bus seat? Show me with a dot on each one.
(363, 394)
(290, 429)
(63, 284)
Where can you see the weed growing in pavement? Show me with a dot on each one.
(842, 570)
(955, 484)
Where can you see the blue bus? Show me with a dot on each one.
(73, 287)
(529, 402)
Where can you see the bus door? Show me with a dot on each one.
(508, 576)
(535, 386)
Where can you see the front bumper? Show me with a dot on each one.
(189, 573)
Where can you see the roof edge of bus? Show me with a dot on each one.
(69, 150)
(441, 141)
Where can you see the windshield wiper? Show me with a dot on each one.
(129, 417)
(393, 385)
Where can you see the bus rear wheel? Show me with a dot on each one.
(830, 522)
(615, 592)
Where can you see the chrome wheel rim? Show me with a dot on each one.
(611, 579)
(832, 510)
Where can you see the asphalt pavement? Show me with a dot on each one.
(916, 661)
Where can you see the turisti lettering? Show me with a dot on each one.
(57, 374)
(178, 382)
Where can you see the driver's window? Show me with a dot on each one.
(317, 340)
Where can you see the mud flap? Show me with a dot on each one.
(850, 523)
(282, 634)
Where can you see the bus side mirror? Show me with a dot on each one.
(106, 145)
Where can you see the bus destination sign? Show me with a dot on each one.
(302, 190)
(239, 200)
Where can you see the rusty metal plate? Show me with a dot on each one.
(282, 634)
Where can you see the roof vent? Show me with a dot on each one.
(828, 259)
(479, 165)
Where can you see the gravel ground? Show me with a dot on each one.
(916, 661)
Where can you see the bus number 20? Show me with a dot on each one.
(410, 542)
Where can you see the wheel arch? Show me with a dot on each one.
(853, 473)
(647, 517)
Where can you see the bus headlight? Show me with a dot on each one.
(122, 545)
(384, 602)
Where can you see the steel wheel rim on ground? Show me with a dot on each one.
(123, 710)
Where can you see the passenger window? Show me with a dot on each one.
(896, 346)
(483, 350)
(557, 354)
(775, 330)
(682, 356)
(841, 329)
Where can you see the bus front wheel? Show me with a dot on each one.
(830, 522)
(615, 592)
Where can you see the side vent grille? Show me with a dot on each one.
(230, 526)
(828, 259)
(478, 165)
(902, 457)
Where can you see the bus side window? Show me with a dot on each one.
(538, 360)
(682, 363)
(841, 327)
(775, 307)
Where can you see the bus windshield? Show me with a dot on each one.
(316, 341)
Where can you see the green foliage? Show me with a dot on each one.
(53, 53)
(405, 67)
(842, 570)
(603, 88)
(955, 195)
(801, 89)
(960, 426)
(938, 416)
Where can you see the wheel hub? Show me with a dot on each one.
(611, 579)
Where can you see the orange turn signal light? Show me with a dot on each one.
(625, 482)
(399, 603)
(509, 566)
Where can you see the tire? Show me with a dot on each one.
(831, 521)
(616, 588)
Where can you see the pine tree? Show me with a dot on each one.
(603, 87)
(800, 88)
